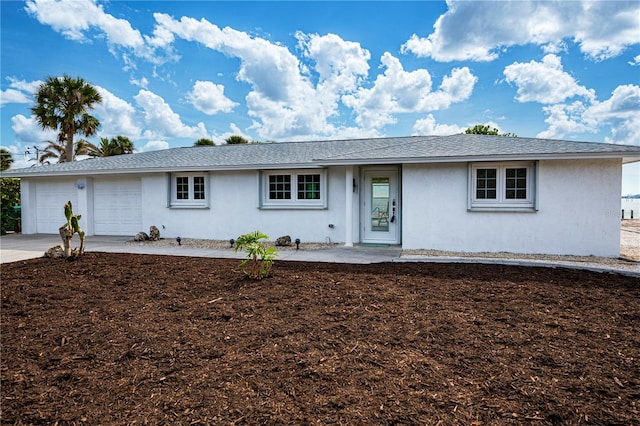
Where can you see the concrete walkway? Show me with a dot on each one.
(16, 247)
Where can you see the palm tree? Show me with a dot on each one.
(101, 150)
(108, 147)
(62, 104)
(121, 145)
(6, 159)
(204, 142)
(58, 152)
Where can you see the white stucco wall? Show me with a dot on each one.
(234, 210)
(577, 202)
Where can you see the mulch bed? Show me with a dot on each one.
(140, 339)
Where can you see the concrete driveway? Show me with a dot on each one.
(15, 247)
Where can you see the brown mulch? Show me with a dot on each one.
(139, 339)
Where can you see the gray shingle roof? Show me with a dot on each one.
(414, 149)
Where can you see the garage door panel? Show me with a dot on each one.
(117, 207)
(50, 200)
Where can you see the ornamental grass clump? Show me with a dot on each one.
(259, 259)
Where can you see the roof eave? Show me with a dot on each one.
(150, 170)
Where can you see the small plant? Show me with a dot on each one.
(259, 259)
(68, 229)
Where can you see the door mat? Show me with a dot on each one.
(373, 245)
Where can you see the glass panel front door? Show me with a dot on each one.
(380, 206)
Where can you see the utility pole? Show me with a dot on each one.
(30, 151)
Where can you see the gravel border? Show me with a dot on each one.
(629, 259)
(224, 244)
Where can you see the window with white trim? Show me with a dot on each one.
(188, 190)
(502, 186)
(293, 189)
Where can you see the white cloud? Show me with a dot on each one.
(28, 131)
(279, 93)
(12, 96)
(283, 100)
(341, 65)
(271, 69)
(209, 98)
(544, 82)
(565, 119)
(635, 62)
(400, 91)
(428, 126)
(234, 130)
(161, 122)
(19, 91)
(155, 145)
(75, 19)
(621, 113)
(117, 116)
(602, 29)
(142, 82)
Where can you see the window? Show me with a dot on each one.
(293, 189)
(516, 188)
(198, 187)
(280, 187)
(486, 184)
(182, 188)
(308, 187)
(188, 190)
(502, 186)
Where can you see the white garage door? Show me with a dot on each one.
(50, 200)
(117, 206)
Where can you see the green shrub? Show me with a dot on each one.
(10, 193)
(259, 259)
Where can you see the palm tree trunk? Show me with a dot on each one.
(69, 149)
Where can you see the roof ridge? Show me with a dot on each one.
(392, 141)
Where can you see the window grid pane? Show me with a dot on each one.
(198, 188)
(486, 184)
(280, 187)
(182, 188)
(516, 184)
(308, 187)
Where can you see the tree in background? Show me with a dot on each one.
(57, 153)
(204, 142)
(63, 104)
(480, 129)
(9, 198)
(236, 140)
(109, 147)
(6, 159)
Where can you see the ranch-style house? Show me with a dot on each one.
(471, 193)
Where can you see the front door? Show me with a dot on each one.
(380, 206)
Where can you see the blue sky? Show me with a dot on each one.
(172, 72)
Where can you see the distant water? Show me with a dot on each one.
(629, 204)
